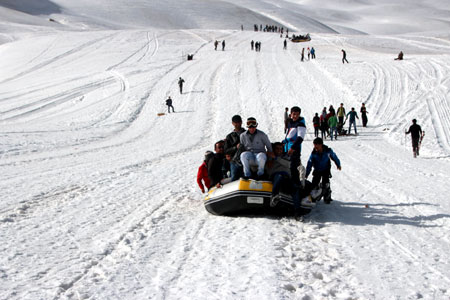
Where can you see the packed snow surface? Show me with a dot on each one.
(98, 194)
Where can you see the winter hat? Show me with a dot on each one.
(208, 154)
(251, 122)
(236, 119)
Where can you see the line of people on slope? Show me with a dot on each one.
(250, 154)
(331, 123)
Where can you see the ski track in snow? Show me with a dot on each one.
(114, 211)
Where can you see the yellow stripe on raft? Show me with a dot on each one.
(252, 185)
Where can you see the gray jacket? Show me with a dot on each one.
(256, 143)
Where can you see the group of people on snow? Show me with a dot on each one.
(249, 154)
(255, 45)
(216, 44)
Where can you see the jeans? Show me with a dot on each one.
(235, 170)
(333, 129)
(249, 158)
(278, 179)
(350, 127)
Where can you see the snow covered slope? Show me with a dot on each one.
(98, 193)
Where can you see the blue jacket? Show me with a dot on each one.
(295, 135)
(322, 161)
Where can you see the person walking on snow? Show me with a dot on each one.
(320, 159)
(316, 124)
(353, 116)
(332, 123)
(341, 114)
(223, 45)
(216, 43)
(313, 53)
(364, 113)
(416, 134)
(180, 84)
(344, 56)
(252, 44)
(169, 105)
(284, 44)
(303, 54)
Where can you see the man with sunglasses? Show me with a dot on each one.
(293, 141)
(256, 148)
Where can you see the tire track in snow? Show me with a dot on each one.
(59, 57)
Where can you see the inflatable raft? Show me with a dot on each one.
(250, 196)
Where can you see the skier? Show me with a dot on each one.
(180, 84)
(293, 140)
(169, 105)
(223, 45)
(320, 160)
(344, 56)
(364, 113)
(416, 135)
(353, 116)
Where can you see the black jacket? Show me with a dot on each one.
(415, 131)
(215, 169)
(231, 142)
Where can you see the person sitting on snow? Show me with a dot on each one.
(320, 160)
(256, 148)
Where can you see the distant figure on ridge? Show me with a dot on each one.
(400, 56)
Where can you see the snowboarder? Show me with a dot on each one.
(353, 116)
(344, 56)
(416, 136)
(320, 160)
(364, 113)
(293, 140)
(223, 45)
(180, 84)
(169, 104)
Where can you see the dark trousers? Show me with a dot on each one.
(316, 131)
(415, 145)
(168, 108)
(295, 162)
(341, 120)
(319, 176)
(364, 120)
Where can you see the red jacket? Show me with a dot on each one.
(203, 174)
